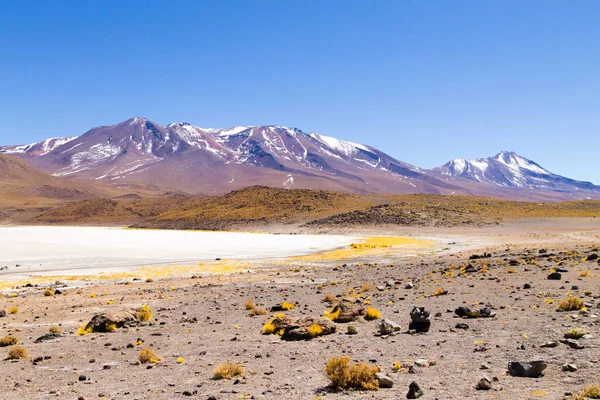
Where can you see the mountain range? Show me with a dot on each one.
(186, 158)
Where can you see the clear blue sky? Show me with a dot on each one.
(424, 81)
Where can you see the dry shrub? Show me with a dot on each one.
(144, 314)
(13, 310)
(591, 392)
(18, 353)
(576, 333)
(48, 292)
(148, 355)
(269, 328)
(440, 292)
(8, 340)
(84, 329)
(287, 306)
(366, 286)
(372, 314)
(228, 370)
(344, 376)
(329, 298)
(249, 304)
(55, 329)
(586, 273)
(257, 311)
(572, 303)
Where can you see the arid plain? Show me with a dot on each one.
(203, 316)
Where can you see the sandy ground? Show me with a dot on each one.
(204, 322)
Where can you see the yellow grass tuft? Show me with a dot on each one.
(84, 329)
(13, 310)
(440, 292)
(372, 314)
(249, 304)
(268, 328)
(147, 355)
(576, 333)
(591, 392)
(287, 306)
(55, 329)
(8, 340)
(571, 303)
(144, 314)
(366, 287)
(333, 314)
(315, 330)
(48, 292)
(329, 298)
(344, 376)
(18, 353)
(257, 311)
(586, 274)
(228, 370)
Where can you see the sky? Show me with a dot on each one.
(424, 81)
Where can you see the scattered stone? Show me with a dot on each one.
(569, 367)
(527, 286)
(298, 328)
(419, 320)
(421, 363)
(120, 319)
(549, 345)
(409, 285)
(592, 257)
(352, 330)
(484, 383)
(46, 337)
(2, 313)
(466, 312)
(561, 269)
(484, 366)
(388, 327)
(572, 343)
(461, 325)
(526, 369)
(414, 391)
(385, 382)
(347, 313)
(555, 276)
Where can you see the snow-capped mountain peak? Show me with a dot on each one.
(508, 169)
(38, 148)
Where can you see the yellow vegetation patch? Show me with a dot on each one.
(144, 313)
(372, 314)
(13, 310)
(315, 330)
(591, 392)
(576, 333)
(147, 355)
(228, 370)
(18, 353)
(344, 376)
(373, 245)
(8, 340)
(571, 303)
(287, 306)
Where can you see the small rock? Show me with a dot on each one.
(385, 382)
(527, 286)
(484, 366)
(484, 383)
(569, 367)
(461, 325)
(561, 269)
(572, 343)
(409, 285)
(414, 391)
(419, 320)
(352, 330)
(388, 327)
(549, 344)
(555, 276)
(527, 369)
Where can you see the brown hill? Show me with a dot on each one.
(24, 186)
